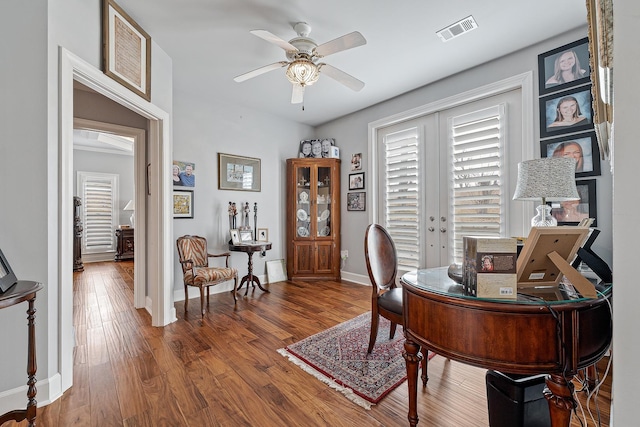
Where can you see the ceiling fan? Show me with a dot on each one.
(303, 54)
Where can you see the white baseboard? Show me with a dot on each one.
(48, 391)
(360, 279)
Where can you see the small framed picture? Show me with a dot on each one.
(566, 112)
(182, 204)
(235, 236)
(356, 162)
(7, 278)
(246, 236)
(238, 173)
(357, 201)
(263, 234)
(572, 212)
(582, 147)
(564, 67)
(183, 174)
(356, 181)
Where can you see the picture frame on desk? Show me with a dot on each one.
(246, 236)
(7, 277)
(235, 237)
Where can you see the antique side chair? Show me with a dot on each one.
(194, 258)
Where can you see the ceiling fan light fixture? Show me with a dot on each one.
(303, 72)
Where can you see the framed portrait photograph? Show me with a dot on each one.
(582, 147)
(7, 278)
(238, 173)
(356, 181)
(235, 236)
(357, 201)
(182, 204)
(263, 234)
(564, 67)
(127, 50)
(566, 112)
(183, 174)
(356, 162)
(572, 212)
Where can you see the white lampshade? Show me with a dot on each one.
(131, 207)
(548, 179)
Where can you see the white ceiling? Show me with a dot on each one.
(209, 43)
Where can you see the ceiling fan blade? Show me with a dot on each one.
(272, 38)
(345, 42)
(258, 71)
(341, 77)
(297, 95)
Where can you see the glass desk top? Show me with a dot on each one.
(438, 281)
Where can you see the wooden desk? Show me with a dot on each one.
(250, 248)
(25, 291)
(526, 336)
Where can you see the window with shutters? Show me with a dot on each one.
(477, 190)
(99, 195)
(401, 196)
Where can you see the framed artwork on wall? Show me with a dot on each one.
(182, 204)
(183, 174)
(583, 147)
(566, 112)
(564, 67)
(127, 50)
(238, 173)
(356, 181)
(357, 201)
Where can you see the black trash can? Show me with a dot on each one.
(516, 400)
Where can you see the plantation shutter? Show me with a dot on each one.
(401, 194)
(99, 210)
(477, 191)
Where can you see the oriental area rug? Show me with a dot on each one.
(338, 357)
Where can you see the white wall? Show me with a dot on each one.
(351, 136)
(202, 129)
(626, 339)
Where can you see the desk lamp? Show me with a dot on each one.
(131, 207)
(551, 179)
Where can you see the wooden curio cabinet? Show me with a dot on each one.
(313, 218)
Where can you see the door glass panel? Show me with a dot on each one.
(303, 204)
(324, 202)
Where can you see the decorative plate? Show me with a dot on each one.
(325, 231)
(324, 215)
(303, 232)
(302, 215)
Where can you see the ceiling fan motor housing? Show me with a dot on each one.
(304, 45)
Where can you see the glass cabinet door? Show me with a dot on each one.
(303, 202)
(323, 202)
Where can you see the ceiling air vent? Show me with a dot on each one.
(454, 30)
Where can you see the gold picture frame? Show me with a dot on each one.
(238, 173)
(182, 204)
(127, 50)
(263, 234)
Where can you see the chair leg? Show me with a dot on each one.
(202, 300)
(392, 330)
(235, 287)
(374, 331)
(186, 297)
(423, 365)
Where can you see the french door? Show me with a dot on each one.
(447, 174)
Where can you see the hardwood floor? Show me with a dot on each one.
(225, 371)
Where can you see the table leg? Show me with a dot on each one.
(31, 365)
(560, 399)
(250, 278)
(412, 358)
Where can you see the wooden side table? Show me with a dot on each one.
(250, 248)
(125, 244)
(25, 291)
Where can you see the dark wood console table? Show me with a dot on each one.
(250, 248)
(25, 291)
(125, 245)
(524, 336)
